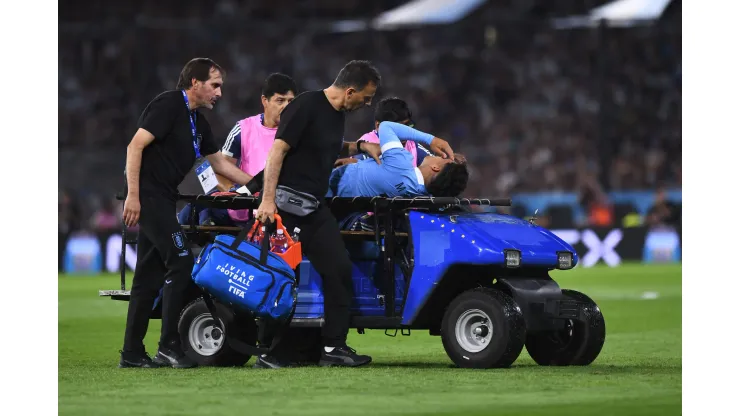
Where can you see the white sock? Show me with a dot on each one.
(328, 349)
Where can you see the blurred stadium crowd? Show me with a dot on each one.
(532, 107)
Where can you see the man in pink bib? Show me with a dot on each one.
(247, 146)
(251, 138)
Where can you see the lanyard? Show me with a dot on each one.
(192, 114)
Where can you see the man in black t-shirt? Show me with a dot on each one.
(172, 135)
(307, 142)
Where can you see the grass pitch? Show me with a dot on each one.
(638, 371)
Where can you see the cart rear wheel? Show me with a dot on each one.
(483, 328)
(206, 343)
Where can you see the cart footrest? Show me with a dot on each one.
(116, 294)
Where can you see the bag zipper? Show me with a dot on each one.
(310, 197)
(280, 293)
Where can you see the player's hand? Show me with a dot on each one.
(267, 209)
(372, 149)
(344, 161)
(441, 148)
(131, 211)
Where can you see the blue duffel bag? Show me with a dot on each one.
(247, 277)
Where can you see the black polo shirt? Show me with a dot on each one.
(315, 132)
(166, 161)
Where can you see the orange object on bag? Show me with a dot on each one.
(293, 255)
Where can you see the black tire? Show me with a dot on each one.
(506, 327)
(196, 314)
(578, 344)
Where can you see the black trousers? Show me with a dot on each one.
(323, 246)
(163, 259)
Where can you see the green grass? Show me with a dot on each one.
(638, 371)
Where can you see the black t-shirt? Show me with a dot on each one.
(315, 132)
(166, 161)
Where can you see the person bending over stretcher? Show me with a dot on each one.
(397, 174)
(390, 109)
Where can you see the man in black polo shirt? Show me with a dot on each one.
(172, 135)
(296, 179)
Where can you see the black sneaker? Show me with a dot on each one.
(269, 361)
(174, 358)
(136, 360)
(344, 357)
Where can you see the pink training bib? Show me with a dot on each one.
(256, 141)
(373, 138)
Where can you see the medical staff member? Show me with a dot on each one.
(172, 135)
(296, 178)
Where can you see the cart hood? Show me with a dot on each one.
(481, 238)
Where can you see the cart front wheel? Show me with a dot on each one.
(579, 342)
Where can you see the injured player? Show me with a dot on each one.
(396, 175)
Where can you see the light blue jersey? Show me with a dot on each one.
(395, 176)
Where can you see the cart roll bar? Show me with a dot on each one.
(358, 203)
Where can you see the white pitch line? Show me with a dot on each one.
(649, 295)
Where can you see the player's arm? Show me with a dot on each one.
(232, 152)
(391, 134)
(395, 157)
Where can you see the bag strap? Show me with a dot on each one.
(239, 345)
(239, 238)
(245, 348)
(212, 309)
(235, 343)
(265, 246)
(265, 249)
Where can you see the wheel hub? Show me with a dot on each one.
(473, 330)
(481, 331)
(205, 338)
(216, 333)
